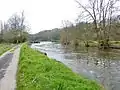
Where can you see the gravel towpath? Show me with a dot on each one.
(8, 69)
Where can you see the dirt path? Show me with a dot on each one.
(8, 69)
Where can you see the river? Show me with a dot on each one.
(102, 66)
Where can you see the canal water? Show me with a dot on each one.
(102, 66)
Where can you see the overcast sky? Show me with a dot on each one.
(41, 14)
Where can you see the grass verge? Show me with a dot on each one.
(5, 47)
(37, 72)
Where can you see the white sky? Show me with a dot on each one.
(41, 14)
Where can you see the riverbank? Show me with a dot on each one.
(37, 72)
(90, 43)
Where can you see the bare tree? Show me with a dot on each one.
(17, 22)
(17, 26)
(100, 13)
(1, 31)
(6, 27)
(66, 24)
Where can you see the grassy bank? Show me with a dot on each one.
(37, 72)
(5, 47)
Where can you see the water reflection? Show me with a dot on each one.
(103, 66)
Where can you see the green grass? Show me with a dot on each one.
(37, 72)
(5, 47)
(115, 43)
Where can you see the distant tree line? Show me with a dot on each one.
(14, 30)
(46, 35)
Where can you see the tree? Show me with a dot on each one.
(100, 13)
(17, 22)
(65, 35)
(16, 28)
(1, 31)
